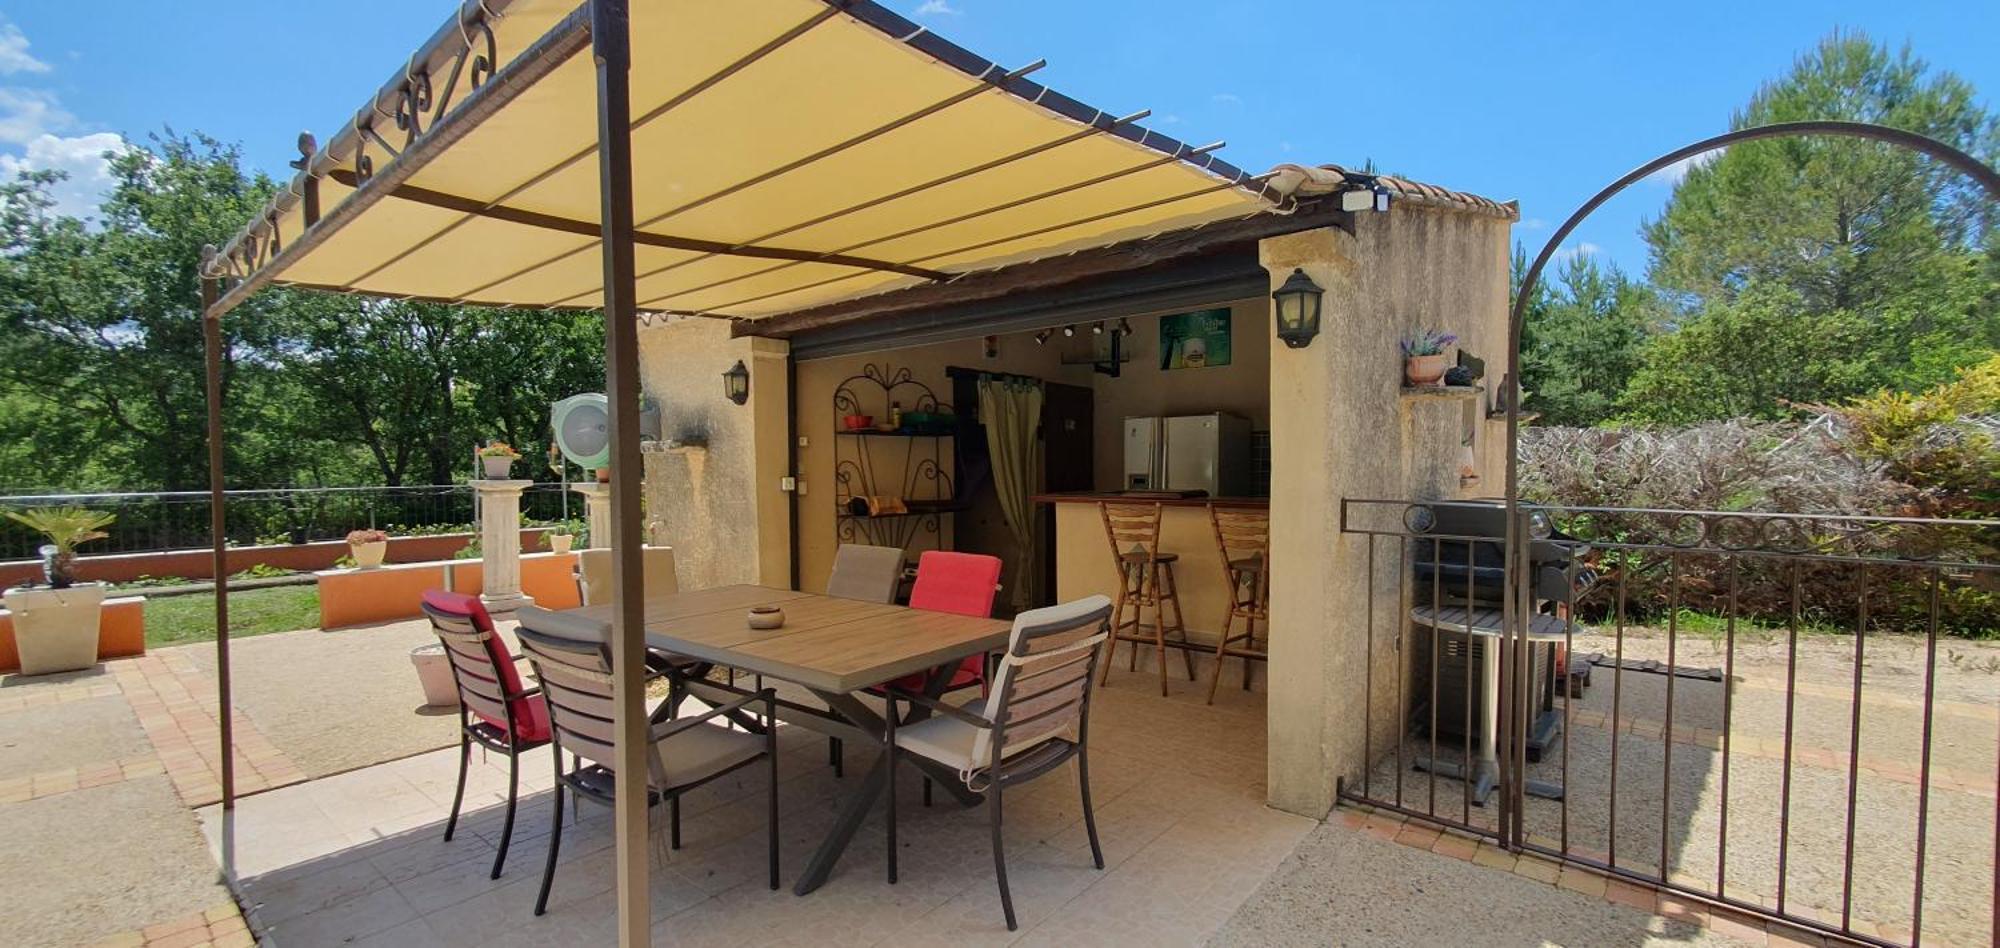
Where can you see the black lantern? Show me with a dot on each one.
(1298, 309)
(736, 383)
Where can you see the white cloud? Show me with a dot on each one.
(40, 135)
(937, 8)
(1573, 251)
(80, 158)
(1226, 98)
(1533, 223)
(1673, 173)
(14, 55)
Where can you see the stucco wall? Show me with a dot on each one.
(721, 507)
(1342, 427)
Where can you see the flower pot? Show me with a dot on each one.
(55, 630)
(368, 555)
(1424, 370)
(434, 673)
(561, 542)
(497, 469)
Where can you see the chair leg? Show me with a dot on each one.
(1000, 859)
(458, 796)
(889, 796)
(507, 828)
(836, 754)
(674, 822)
(927, 791)
(771, 749)
(1117, 623)
(1180, 620)
(1222, 647)
(1160, 626)
(555, 843)
(1250, 644)
(1089, 814)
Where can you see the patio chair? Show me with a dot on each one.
(493, 708)
(593, 574)
(960, 583)
(870, 574)
(867, 573)
(1037, 717)
(571, 656)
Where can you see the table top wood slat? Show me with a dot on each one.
(828, 644)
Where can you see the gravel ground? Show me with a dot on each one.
(334, 701)
(1342, 886)
(70, 734)
(141, 861)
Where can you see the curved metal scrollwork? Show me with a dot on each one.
(911, 466)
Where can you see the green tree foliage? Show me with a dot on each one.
(101, 358)
(1813, 269)
(1582, 340)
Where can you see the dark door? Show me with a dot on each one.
(1068, 448)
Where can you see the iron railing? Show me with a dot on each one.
(1787, 715)
(174, 520)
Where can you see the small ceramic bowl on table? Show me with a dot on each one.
(766, 617)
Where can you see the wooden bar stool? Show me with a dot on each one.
(1145, 578)
(1243, 537)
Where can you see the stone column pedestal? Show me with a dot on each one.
(500, 545)
(597, 511)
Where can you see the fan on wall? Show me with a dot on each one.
(583, 428)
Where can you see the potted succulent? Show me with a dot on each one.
(498, 458)
(1423, 355)
(559, 537)
(368, 547)
(56, 626)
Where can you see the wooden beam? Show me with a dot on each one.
(515, 215)
(1051, 272)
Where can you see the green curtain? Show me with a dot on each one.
(1011, 410)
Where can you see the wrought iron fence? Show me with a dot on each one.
(1787, 715)
(172, 520)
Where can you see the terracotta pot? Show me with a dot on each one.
(560, 542)
(1424, 370)
(368, 555)
(497, 469)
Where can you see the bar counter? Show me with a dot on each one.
(1084, 562)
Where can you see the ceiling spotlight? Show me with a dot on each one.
(1097, 328)
(1069, 332)
(1042, 338)
(1124, 326)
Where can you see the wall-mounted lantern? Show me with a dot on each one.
(1298, 309)
(736, 383)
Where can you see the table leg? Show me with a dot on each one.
(854, 811)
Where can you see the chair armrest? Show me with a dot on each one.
(948, 710)
(666, 729)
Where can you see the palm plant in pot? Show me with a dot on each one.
(56, 626)
(1423, 355)
(498, 458)
(368, 547)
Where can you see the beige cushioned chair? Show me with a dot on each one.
(593, 573)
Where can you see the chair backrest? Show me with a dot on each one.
(1241, 533)
(1045, 678)
(572, 658)
(964, 583)
(488, 684)
(593, 573)
(867, 573)
(1132, 525)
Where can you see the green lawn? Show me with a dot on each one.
(177, 620)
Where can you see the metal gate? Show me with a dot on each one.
(1792, 716)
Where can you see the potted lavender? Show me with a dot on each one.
(1423, 355)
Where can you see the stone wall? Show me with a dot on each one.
(1342, 426)
(717, 500)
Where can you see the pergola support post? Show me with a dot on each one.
(211, 332)
(611, 44)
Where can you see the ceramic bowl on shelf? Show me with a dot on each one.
(766, 617)
(858, 422)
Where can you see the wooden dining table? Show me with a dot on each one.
(834, 648)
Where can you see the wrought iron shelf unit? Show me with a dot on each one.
(917, 467)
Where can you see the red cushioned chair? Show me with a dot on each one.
(961, 583)
(493, 708)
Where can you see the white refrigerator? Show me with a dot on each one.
(1209, 453)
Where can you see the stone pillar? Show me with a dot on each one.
(597, 511)
(500, 545)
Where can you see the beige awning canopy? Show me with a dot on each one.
(788, 153)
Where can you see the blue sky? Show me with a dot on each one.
(1540, 102)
